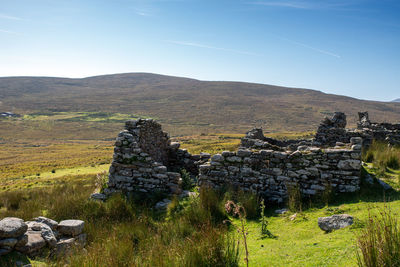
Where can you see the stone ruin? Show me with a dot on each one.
(145, 160)
(386, 132)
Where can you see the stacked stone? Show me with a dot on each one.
(332, 130)
(32, 237)
(12, 234)
(255, 139)
(270, 173)
(385, 132)
(181, 159)
(140, 159)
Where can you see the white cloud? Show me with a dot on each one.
(4, 16)
(9, 32)
(212, 47)
(312, 48)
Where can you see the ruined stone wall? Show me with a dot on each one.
(150, 138)
(146, 160)
(386, 132)
(269, 172)
(255, 139)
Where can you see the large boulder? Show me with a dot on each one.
(12, 227)
(71, 227)
(335, 222)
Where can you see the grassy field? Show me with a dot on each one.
(55, 178)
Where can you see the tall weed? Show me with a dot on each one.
(379, 241)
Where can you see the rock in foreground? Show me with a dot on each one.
(12, 227)
(335, 222)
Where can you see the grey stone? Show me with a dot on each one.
(34, 245)
(175, 145)
(64, 247)
(350, 164)
(335, 222)
(98, 196)
(22, 240)
(5, 250)
(48, 235)
(217, 158)
(162, 205)
(9, 242)
(12, 227)
(52, 223)
(71, 227)
(281, 211)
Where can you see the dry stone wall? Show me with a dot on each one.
(270, 173)
(34, 237)
(386, 132)
(146, 160)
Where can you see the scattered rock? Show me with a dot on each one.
(335, 222)
(162, 205)
(281, 211)
(98, 196)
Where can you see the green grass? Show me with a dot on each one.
(50, 178)
(302, 243)
(191, 233)
(384, 162)
(81, 116)
(122, 232)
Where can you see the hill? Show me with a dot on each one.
(186, 105)
(396, 100)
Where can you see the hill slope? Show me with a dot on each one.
(396, 100)
(182, 103)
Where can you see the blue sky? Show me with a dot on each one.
(348, 47)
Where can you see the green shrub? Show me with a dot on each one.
(379, 242)
(187, 182)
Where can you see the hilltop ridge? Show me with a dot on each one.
(184, 103)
